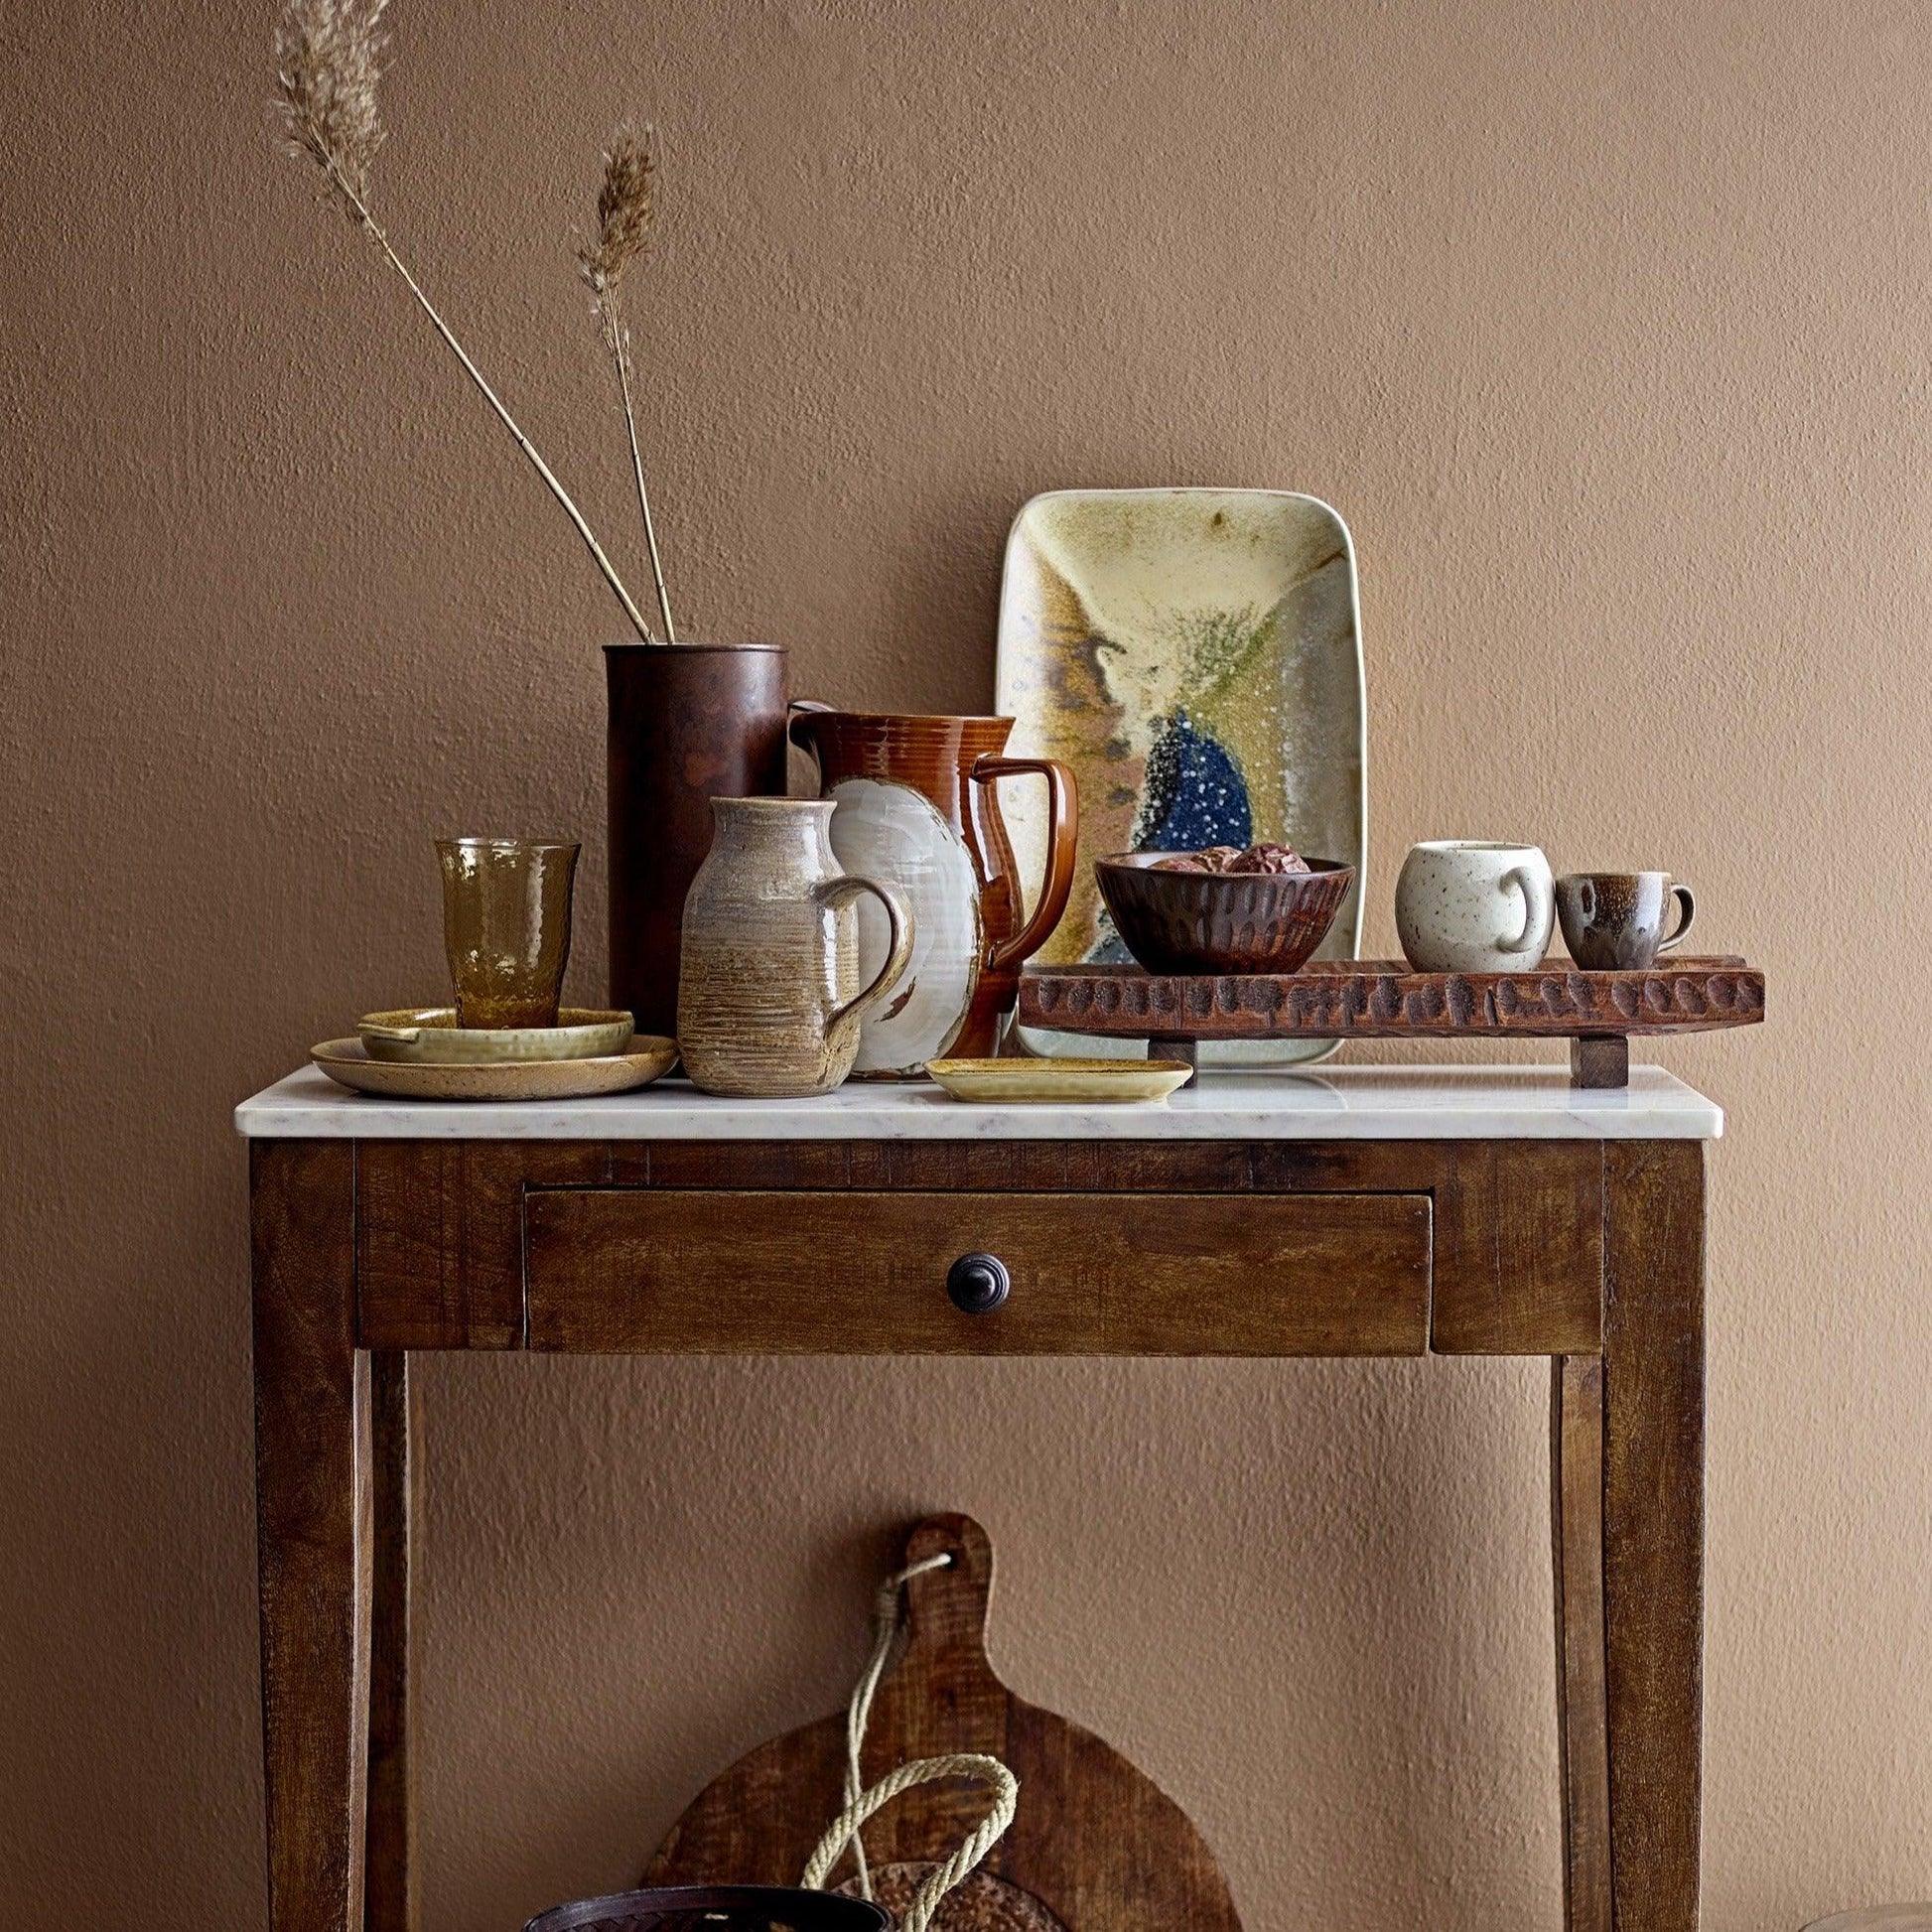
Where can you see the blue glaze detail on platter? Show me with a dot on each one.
(1195, 657)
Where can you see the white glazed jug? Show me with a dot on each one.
(1466, 905)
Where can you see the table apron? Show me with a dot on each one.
(1381, 1248)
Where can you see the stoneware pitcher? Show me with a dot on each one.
(770, 992)
(917, 806)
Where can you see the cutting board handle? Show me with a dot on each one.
(946, 1608)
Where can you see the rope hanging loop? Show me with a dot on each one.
(923, 1770)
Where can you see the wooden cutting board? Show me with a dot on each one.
(1095, 1845)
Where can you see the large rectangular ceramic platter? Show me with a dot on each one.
(1195, 657)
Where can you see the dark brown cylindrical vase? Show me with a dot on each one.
(688, 723)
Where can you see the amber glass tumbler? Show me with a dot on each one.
(507, 928)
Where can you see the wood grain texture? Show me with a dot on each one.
(1385, 998)
(1025, 1167)
(1094, 1841)
(1517, 1235)
(391, 1889)
(1518, 1231)
(1577, 1549)
(314, 1532)
(440, 1236)
(1520, 1248)
(1598, 1060)
(863, 1273)
(1653, 1528)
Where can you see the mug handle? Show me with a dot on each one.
(843, 890)
(1687, 910)
(1063, 802)
(1525, 941)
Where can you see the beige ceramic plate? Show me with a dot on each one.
(1058, 1079)
(431, 1033)
(345, 1061)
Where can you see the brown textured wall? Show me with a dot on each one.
(1606, 328)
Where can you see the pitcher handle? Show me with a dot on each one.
(792, 710)
(1063, 802)
(843, 890)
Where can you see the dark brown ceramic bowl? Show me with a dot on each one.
(1221, 921)
(708, 1908)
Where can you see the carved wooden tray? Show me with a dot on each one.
(1095, 1845)
(1386, 999)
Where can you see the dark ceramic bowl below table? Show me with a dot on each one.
(714, 1909)
(1221, 921)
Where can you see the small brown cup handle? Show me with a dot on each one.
(1063, 802)
(843, 890)
(1687, 910)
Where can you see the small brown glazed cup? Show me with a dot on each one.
(1614, 922)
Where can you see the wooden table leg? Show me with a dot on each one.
(1577, 1531)
(1653, 1527)
(392, 1838)
(313, 1527)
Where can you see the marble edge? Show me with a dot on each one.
(1658, 1106)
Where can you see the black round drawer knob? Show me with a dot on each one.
(978, 1284)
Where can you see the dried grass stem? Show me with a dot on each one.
(328, 60)
(626, 208)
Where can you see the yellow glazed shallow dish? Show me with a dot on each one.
(429, 1035)
(648, 1058)
(1043, 1081)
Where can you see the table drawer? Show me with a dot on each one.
(658, 1271)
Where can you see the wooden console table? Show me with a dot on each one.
(1358, 1211)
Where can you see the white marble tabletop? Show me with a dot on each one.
(1342, 1103)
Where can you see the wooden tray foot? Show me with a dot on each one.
(1177, 1050)
(1599, 1060)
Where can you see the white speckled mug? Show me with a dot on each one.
(1466, 905)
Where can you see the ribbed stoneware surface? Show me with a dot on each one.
(1220, 923)
(714, 1909)
(769, 991)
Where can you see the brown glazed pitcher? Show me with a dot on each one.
(917, 808)
(688, 723)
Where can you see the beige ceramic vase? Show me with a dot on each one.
(770, 997)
